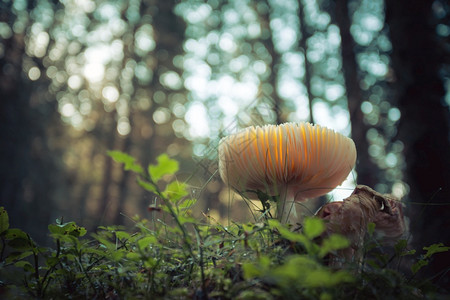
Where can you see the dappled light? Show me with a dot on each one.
(81, 78)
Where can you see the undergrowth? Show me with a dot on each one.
(200, 259)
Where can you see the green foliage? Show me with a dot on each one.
(165, 166)
(192, 258)
(127, 160)
(424, 259)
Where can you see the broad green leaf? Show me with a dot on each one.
(18, 240)
(122, 235)
(147, 185)
(117, 255)
(435, 248)
(4, 220)
(287, 234)
(127, 160)
(332, 243)
(165, 165)
(109, 245)
(94, 251)
(313, 227)
(15, 233)
(175, 191)
(248, 227)
(325, 278)
(67, 228)
(26, 266)
(252, 270)
(17, 256)
(146, 241)
(186, 219)
(133, 256)
(56, 229)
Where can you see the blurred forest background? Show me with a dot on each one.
(80, 77)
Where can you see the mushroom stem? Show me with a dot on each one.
(286, 211)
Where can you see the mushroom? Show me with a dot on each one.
(351, 216)
(293, 161)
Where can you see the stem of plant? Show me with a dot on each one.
(173, 214)
(200, 247)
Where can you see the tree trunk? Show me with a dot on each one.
(274, 65)
(367, 170)
(302, 44)
(417, 58)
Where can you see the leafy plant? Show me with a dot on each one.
(184, 257)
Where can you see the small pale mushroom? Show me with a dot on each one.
(293, 161)
(351, 216)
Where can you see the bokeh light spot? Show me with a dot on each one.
(34, 73)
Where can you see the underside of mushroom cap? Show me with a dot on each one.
(307, 160)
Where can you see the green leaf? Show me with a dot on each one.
(175, 191)
(186, 204)
(435, 248)
(292, 236)
(133, 256)
(186, 219)
(67, 228)
(324, 278)
(165, 165)
(150, 262)
(400, 248)
(252, 270)
(122, 235)
(4, 220)
(332, 243)
(52, 261)
(313, 227)
(117, 255)
(26, 266)
(146, 241)
(147, 185)
(18, 239)
(15, 233)
(418, 265)
(55, 229)
(104, 242)
(127, 160)
(17, 256)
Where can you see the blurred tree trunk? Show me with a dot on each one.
(273, 67)
(303, 46)
(108, 138)
(29, 173)
(367, 170)
(417, 59)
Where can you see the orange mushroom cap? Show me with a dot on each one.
(308, 160)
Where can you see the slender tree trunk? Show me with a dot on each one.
(417, 59)
(105, 196)
(274, 64)
(123, 184)
(367, 171)
(28, 169)
(302, 44)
